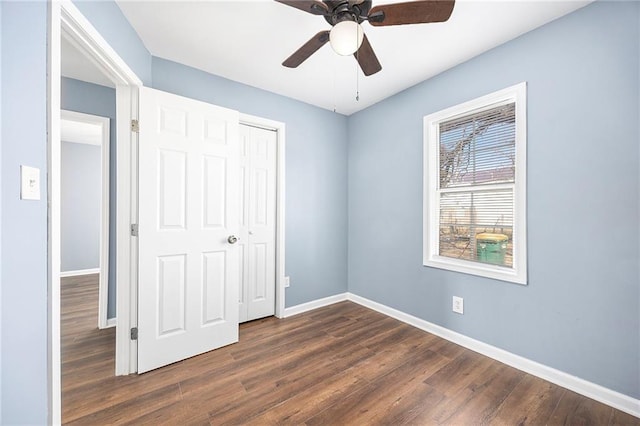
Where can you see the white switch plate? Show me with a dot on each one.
(287, 281)
(458, 305)
(29, 183)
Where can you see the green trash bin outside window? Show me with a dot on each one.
(491, 248)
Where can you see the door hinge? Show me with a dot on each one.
(134, 229)
(134, 333)
(135, 126)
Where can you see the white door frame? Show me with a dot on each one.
(279, 128)
(65, 19)
(103, 286)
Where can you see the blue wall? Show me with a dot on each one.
(23, 249)
(114, 27)
(0, 209)
(80, 202)
(316, 175)
(24, 223)
(99, 100)
(580, 311)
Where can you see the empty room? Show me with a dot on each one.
(321, 212)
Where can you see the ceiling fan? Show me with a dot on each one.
(346, 36)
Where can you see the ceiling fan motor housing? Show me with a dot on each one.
(343, 10)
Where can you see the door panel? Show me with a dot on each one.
(260, 268)
(260, 193)
(172, 196)
(171, 289)
(213, 308)
(214, 183)
(258, 149)
(188, 207)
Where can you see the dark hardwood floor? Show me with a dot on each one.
(339, 365)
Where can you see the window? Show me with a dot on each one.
(474, 187)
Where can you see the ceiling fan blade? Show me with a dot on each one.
(314, 7)
(411, 12)
(307, 49)
(367, 58)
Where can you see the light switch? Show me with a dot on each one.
(30, 183)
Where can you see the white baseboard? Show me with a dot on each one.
(79, 272)
(314, 304)
(591, 390)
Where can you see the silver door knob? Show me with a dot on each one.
(232, 239)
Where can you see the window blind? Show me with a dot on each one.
(476, 185)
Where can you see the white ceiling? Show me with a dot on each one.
(246, 41)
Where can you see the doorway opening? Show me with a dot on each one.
(85, 164)
(65, 21)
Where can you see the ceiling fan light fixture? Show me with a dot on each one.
(346, 37)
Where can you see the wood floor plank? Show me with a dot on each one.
(309, 356)
(285, 387)
(341, 364)
(573, 409)
(370, 318)
(388, 359)
(94, 396)
(345, 309)
(133, 408)
(620, 418)
(448, 349)
(370, 403)
(254, 332)
(531, 403)
(458, 373)
(412, 407)
(479, 400)
(175, 413)
(394, 336)
(284, 342)
(207, 394)
(311, 401)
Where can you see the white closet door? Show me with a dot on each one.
(188, 209)
(258, 223)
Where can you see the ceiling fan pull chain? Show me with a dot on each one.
(334, 85)
(357, 78)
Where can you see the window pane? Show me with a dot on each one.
(478, 226)
(478, 148)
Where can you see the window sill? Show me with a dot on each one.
(479, 269)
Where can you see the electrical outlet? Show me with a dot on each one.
(458, 305)
(287, 282)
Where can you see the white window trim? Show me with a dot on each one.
(431, 206)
